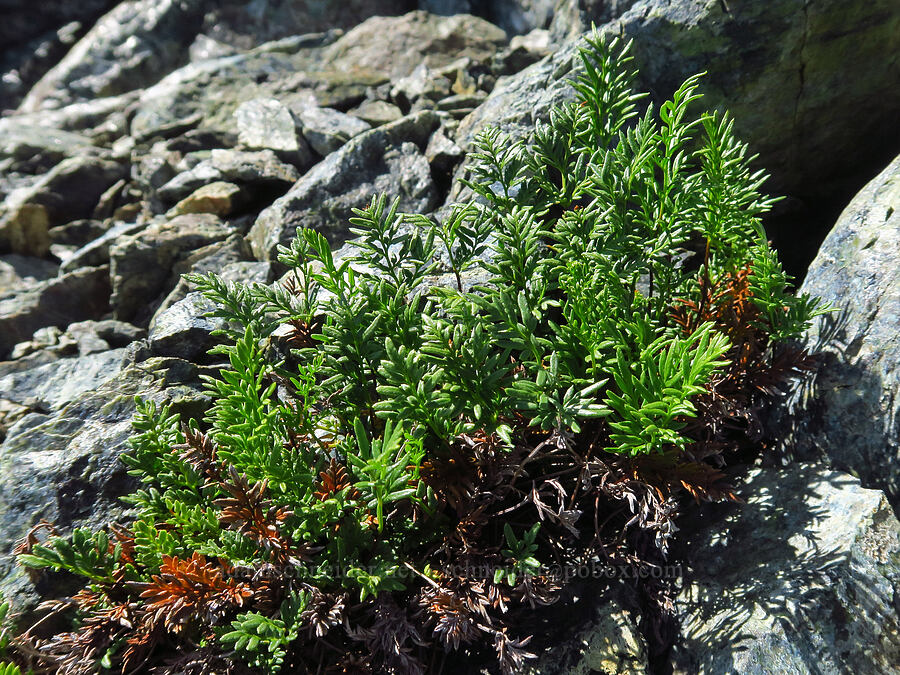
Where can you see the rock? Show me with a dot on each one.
(78, 233)
(211, 258)
(96, 252)
(461, 105)
(607, 642)
(850, 411)
(51, 386)
(95, 336)
(521, 16)
(254, 168)
(513, 16)
(803, 578)
(523, 51)
(415, 38)
(332, 88)
(517, 103)
(183, 184)
(268, 124)
(201, 139)
(219, 198)
(311, 72)
(184, 331)
(153, 168)
(386, 159)
(17, 271)
(106, 205)
(36, 150)
(377, 113)
(24, 229)
(21, 23)
(64, 465)
(42, 338)
(82, 294)
(101, 119)
(204, 48)
(446, 7)
(442, 153)
(81, 337)
(68, 192)
(244, 25)
(209, 92)
(131, 47)
(327, 129)
(34, 41)
(262, 168)
(421, 84)
(141, 263)
(10, 413)
(572, 18)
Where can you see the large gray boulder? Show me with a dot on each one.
(850, 411)
(800, 578)
(63, 464)
(183, 328)
(100, 119)
(17, 271)
(50, 386)
(567, 17)
(387, 160)
(141, 263)
(803, 578)
(32, 149)
(58, 301)
(414, 39)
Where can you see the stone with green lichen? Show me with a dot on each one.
(62, 465)
(799, 579)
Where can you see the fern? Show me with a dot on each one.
(616, 317)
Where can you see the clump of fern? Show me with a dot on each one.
(406, 439)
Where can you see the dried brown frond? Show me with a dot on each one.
(199, 452)
(323, 612)
(392, 638)
(201, 661)
(453, 478)
(332, 480)
(449, 615)
(301, 335)
(511, 654)
(670, 471)
(191, 588)
(31, 539)
(247, 510)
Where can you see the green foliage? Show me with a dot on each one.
(4, 627)
(85, 553)
(263, 640)
(521, 553)
(611, 286)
